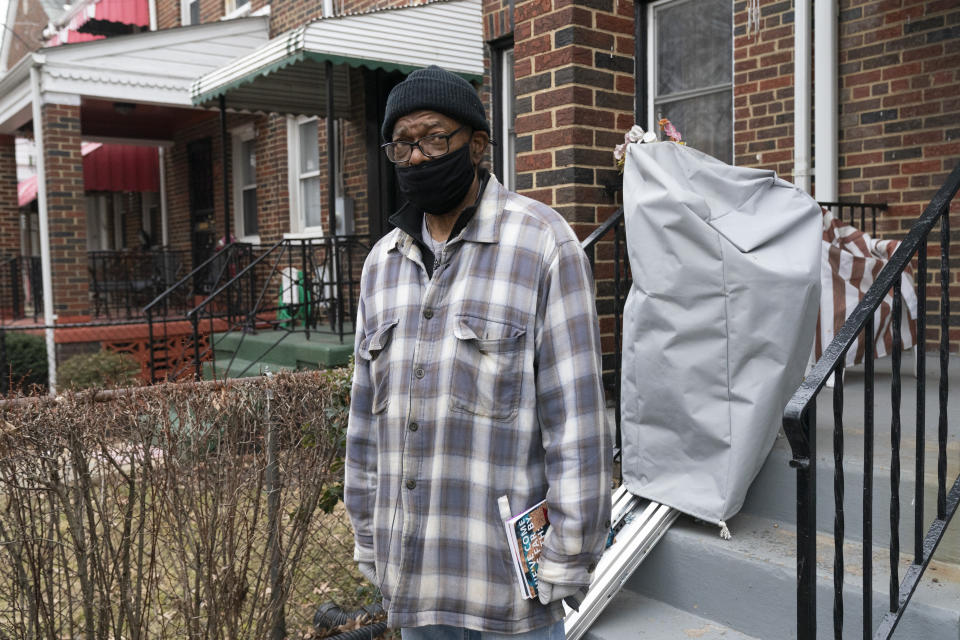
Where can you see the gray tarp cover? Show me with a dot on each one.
(718, 324)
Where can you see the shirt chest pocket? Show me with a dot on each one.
(487, 368)
(372, 349)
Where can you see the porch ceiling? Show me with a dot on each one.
(155, 67)
(286, 75)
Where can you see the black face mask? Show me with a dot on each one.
(438, 186)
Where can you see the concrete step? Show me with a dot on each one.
(287, 349)
(749, 583)
(773, 495)
(853, 401)
(634, 617)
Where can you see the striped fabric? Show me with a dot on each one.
(481, 381)
(850, 262)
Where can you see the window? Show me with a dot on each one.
(245, 184)
(692, 86)
(505, 153)
(189, 12)
(304, 165)
(235, 9)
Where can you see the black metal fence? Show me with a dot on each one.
(21, 288)
(304, 285)
(856, 214)
(122, 282)
(799, 424)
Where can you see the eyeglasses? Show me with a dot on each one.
(432, 146)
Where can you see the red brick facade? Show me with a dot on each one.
(899, 116)
(9, 212)
(66, 209)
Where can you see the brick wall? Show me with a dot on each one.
(763, 89)
(9, 211)
(66, 209)
(168, 11)
(168, 14)
(574, 100)
(899, 80)
(273, 197)
(288, 14)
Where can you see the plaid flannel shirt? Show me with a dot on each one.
(480, 381)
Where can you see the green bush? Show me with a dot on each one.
(103, 369)
(26, 363)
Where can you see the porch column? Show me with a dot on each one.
(9, 209)
(66, 210)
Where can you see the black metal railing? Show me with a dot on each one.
(122, 282)
(21, 288)
(856, 214)
(799, 424)
(171, 348)
(613, 282)
(294, 286)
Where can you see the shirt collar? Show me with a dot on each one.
(476, 223)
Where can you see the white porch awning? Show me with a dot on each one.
(154, 67)
(287, 75)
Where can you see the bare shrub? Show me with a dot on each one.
(197, 511)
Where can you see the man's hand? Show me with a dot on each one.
(572, 595)
(369, 572)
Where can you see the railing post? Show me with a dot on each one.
(4, 374)
(807, 530)
(194, 320)
(307, 302)
(15, 288)
(944, 389)
(150, 347)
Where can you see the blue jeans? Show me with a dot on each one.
(443, 632)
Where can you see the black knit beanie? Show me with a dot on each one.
(437, 90)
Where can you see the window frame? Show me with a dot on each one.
(236, 9)
(653, 69)
(185, 18)
(238, 136)
(298, 226)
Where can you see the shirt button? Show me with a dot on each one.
(411, 484)
(428, 313)
(418, 372)
(414, 426)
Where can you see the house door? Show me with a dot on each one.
(202, 229)
(383, 193)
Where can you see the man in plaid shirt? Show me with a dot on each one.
(477, 376)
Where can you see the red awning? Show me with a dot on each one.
(136, 12)
(103, 17)
(121, 167)
(108, 167)
(27, 191)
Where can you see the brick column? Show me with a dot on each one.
(574, 101)
(9, 210)
(66, 210)
(574, 85)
